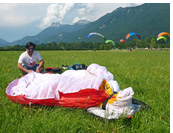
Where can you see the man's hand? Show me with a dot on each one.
(30, 71)
(37, 70)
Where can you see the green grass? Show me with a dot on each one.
(147, 72)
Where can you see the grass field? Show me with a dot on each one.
(147, 72)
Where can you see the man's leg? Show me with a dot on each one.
(23, 72)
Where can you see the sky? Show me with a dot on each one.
(27, 19)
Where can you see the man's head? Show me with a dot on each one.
(30, 46)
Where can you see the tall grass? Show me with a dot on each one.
(147, 72)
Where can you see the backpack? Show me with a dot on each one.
(77, 66)
(54, 70)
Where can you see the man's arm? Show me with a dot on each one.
(41, 66)
(22, 69)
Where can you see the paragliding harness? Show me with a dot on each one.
(140, 107)
(105, 102)
(77, 66)
(59, 70)
(134, 101)
(54, 70)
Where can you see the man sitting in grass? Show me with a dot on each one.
(28, 59)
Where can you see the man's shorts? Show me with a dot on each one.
(31, 68)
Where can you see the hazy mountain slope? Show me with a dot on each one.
(3, 42)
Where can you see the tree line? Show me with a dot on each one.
(136, 43)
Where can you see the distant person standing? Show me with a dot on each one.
(28, 59)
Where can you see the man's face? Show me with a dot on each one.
(30, 50)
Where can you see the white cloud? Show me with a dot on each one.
(50, 16)
(20, 14)
(93, 11)
(55, 13)
(66, 8)
(76, 19)
(81, 11)
(7, 7)
(90, 7)
(15, 15)
(85, 11)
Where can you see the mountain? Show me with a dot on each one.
(147, 20)
(53, 32)
(3, 42)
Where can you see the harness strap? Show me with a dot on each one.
(105, 102)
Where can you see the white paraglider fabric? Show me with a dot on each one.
(45, 86)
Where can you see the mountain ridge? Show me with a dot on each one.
(3, 42)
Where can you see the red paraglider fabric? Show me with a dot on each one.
(82, 99)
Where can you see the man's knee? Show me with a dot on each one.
(41, 69)
(23, 72)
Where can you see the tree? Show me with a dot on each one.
(102, 47)
(153, 43)
(108, 46)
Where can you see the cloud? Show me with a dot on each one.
(68, 13)
(55, 13)
(7, 7)
(93, 11)
(21, 14)
(76, 19)
(86, 11)
(15, 15)
(81, 11)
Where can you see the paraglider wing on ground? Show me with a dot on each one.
(75, 89)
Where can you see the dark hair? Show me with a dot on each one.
(30, 44)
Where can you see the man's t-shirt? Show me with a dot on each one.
(25, 59)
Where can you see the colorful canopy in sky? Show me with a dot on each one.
(163, 34)
(131, 34)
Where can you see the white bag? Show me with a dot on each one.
(123, 106)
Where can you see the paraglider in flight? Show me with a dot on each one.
(95, 33)
(110, 41)
(162, 37)
(122, 41)
(162, 34)
(131, 34)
